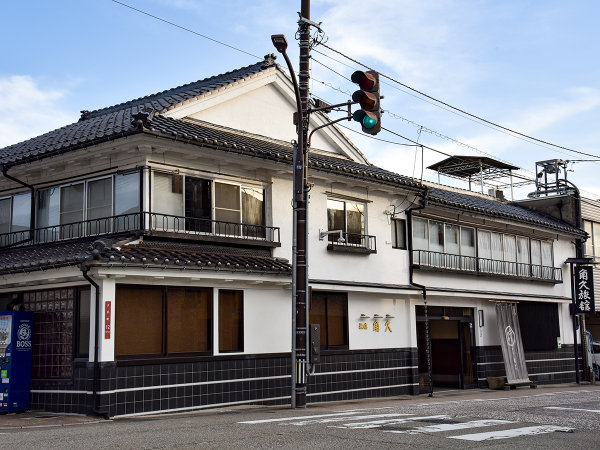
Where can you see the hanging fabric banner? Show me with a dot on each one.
(512, 345)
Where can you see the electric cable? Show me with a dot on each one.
(474, 116)
(185, 29)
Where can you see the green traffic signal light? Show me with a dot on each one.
(367, 97)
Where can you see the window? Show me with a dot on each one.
(348, 217)
(399, 233)
(592, 245)
(201, 201)
(231, 321)
(330, 310)
(15, 214)
(82, 324)
(451, 246)
(162, 321)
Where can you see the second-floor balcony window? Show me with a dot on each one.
(191, 204)
(456, 247)
(349, 217)
(89, 207)
(592, 245)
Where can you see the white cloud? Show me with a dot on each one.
(28, 109)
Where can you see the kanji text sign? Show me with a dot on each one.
(584, 289)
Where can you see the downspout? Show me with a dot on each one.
(96, 372)
(32, 202)
(422, 205)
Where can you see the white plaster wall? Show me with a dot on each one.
(107, 346)
(371, 304)
(267, 321)
(264, 111)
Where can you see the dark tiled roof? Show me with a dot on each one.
(165, 100)
(496, 208)
(113, 251)
(115, 121)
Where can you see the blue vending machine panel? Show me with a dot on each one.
(16, 342)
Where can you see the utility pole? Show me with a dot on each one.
(301, 217)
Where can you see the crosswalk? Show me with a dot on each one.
(387, 421)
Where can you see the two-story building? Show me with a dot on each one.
(153, 240)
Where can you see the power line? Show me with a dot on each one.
(185, 29)
(458, 109)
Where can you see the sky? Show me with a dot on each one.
(530, 66)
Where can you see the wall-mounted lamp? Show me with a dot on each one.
(341, 239)
(389, 316)
(364, 316)
(480, 315)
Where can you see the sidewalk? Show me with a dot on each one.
(41, 419)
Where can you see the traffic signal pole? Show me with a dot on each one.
(301, 207)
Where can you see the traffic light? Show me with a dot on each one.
(369, 115)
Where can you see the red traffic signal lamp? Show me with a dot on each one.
(367, 97)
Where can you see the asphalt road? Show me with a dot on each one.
(548, 417)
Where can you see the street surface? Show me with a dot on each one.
(549, 417)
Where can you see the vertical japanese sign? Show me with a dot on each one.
(107, 310)
(584, 289)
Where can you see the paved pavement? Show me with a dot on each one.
(39, 419)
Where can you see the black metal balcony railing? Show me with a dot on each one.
(359, 243)
(459, 263)
(144, 222)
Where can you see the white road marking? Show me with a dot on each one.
(340, 419)
(515, 432)
(349, 412)
(597, 411)
(452, 426)
(379, 423)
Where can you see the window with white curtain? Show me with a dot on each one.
(453, 246)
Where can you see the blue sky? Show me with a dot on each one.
(532, 66)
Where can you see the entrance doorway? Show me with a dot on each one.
(451, 333)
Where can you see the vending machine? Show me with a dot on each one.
(16, 342)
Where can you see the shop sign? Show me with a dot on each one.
(376, 328)
(107, 310)
(584, 290)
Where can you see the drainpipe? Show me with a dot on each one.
(422, 205)
(30, 187)
(96, 373)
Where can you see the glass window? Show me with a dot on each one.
(127, 201)
(198, 203)
(399, 233)
(467, 241)
(138, 321)
(452, 239)
(484, 244)
(253, 211)
(5, 215)
(330, 311)
(523, 256)
(154, 321)
(467, 249)
(167, 201)
(99, 205)
(227, 202)
(348, 217)
(420, 234)
(436, 236)
(188, 320)
(71, 210)
(596, 239)
(21, 214)
(231, 321)
(48, 207)
(510, 254)
(589, 244)
(83, 323)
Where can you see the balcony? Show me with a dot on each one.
(152, 224)
(444, 262)
(352, 243)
